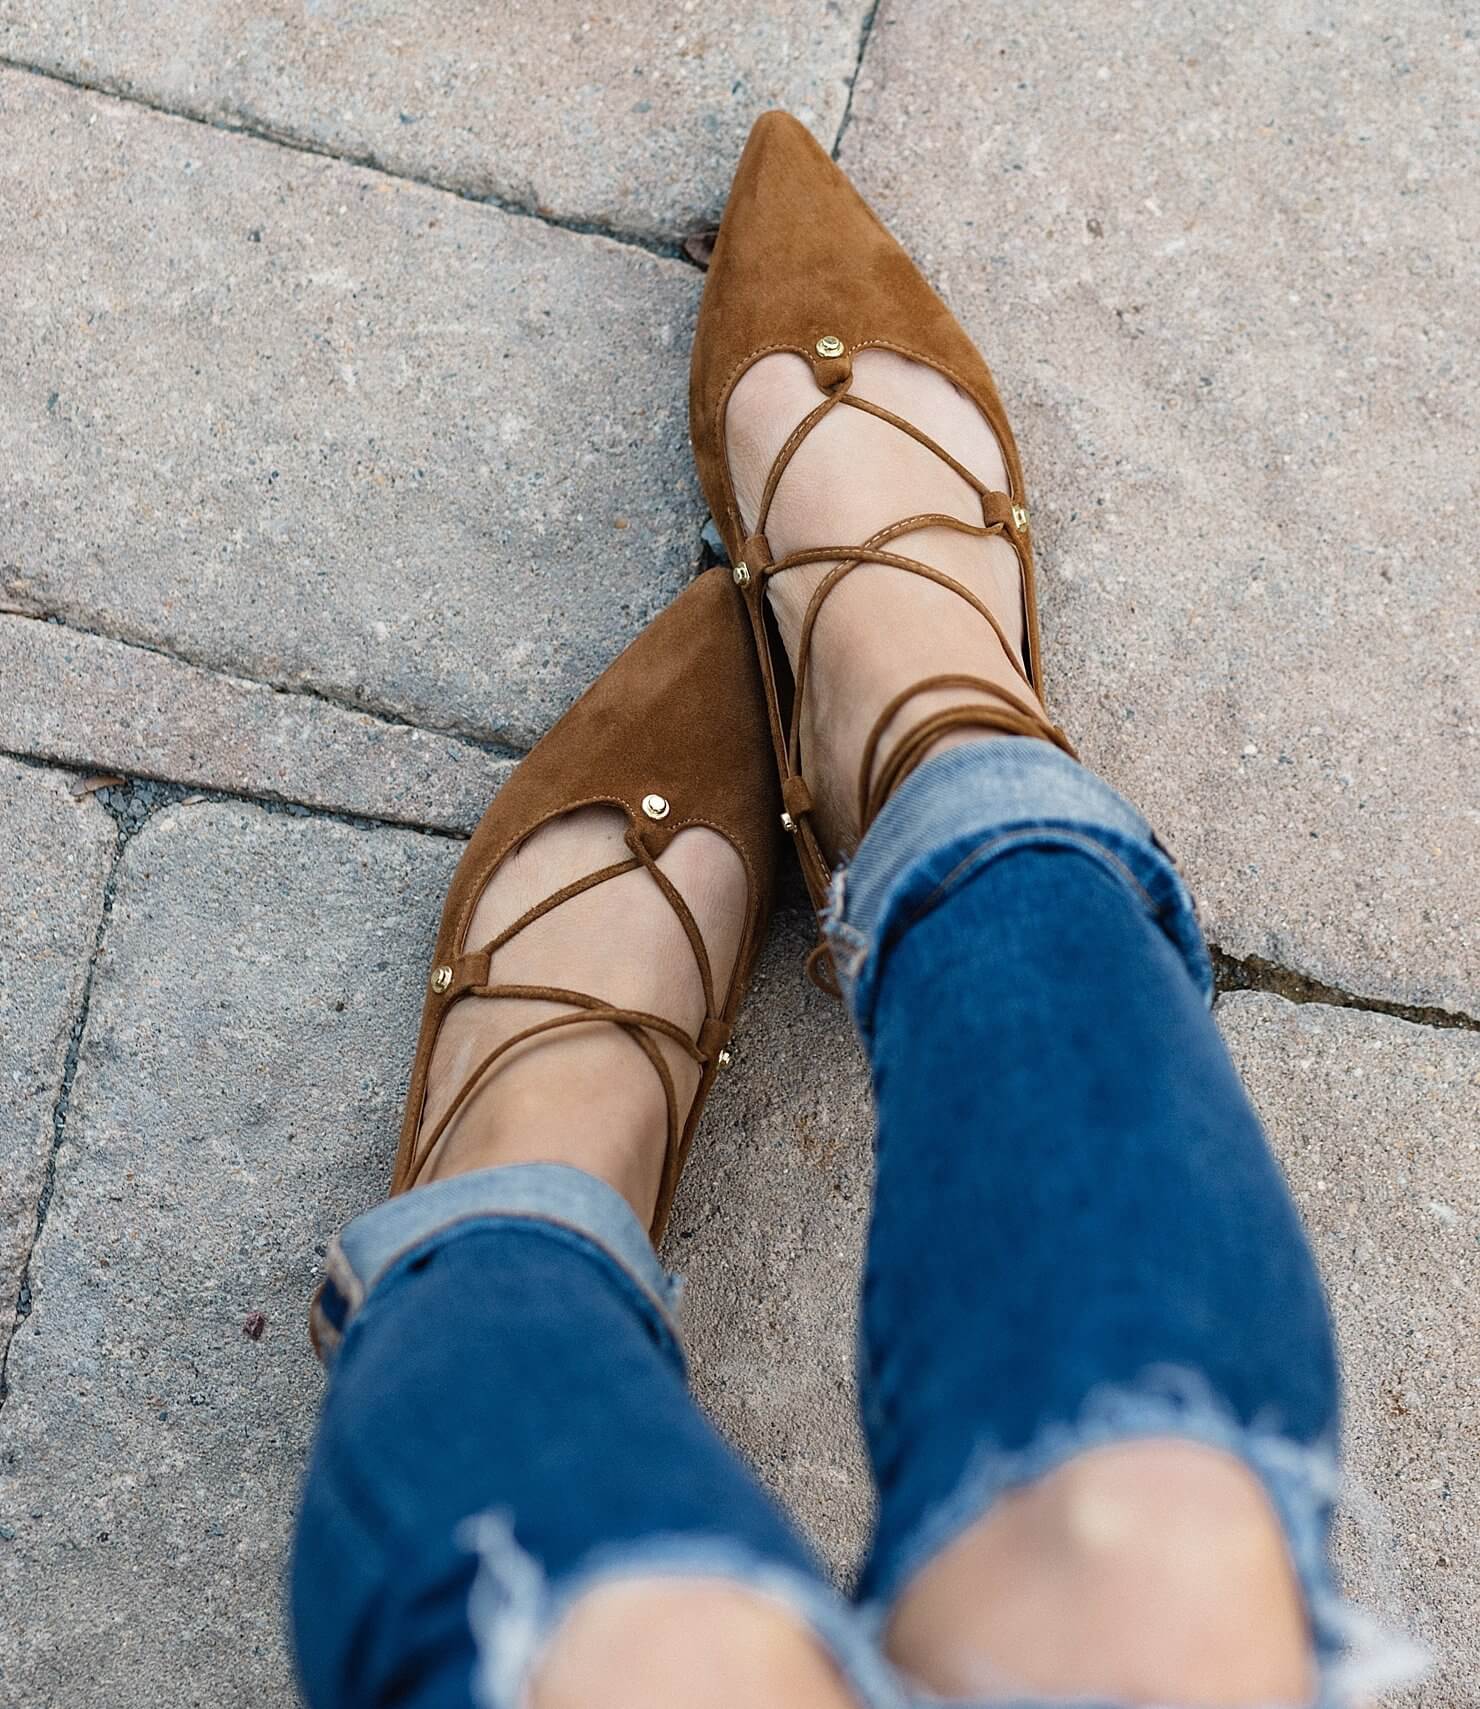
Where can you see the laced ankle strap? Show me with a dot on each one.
(469, 977)
(1014, 716)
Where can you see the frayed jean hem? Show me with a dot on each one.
(515, 1612)
(1356, 1658)
(975, 804)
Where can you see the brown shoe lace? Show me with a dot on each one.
(1008, 713)
(470, 978)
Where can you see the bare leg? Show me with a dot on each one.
(1147, 1571)
(664, 1644)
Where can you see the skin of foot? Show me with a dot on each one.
(585, 1095)
(881, 629)
(1147, 1572)
(670, 1644)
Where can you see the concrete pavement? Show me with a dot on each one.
(342, 436)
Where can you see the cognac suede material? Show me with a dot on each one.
(678, 714)
(801, 256)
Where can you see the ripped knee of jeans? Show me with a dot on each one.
(1357, 1659)
(515, 1611)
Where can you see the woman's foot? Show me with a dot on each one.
(600, 924)
(881, 629)
(585, 1095)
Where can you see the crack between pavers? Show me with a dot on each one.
(128, 828)
(864, 34)
(497, 747)
(177, 793)
(62, 1107)
(1230, 972)
(260, 130)
(193, 790)
(1255, 973)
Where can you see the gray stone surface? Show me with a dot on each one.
(286, 417)
(237, 1096)
(1224, 261)
(311, 427)
(236, 1099)
(88, 701)
(768, 1232)
(630, 117)
(55, 852)
(1377, 1124)
(149, 1452)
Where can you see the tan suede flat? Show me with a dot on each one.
(673, 734)
(802, 264)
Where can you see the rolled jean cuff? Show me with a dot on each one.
(970, 806)
(567, 1200)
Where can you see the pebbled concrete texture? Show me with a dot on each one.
(1221, 259)
(1375, 1122)
(767, 1232)
(289, 418)
(627, 117)
(87, 701)
(237, 1096)
(56, 850)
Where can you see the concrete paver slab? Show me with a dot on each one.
(1377, 1124)
(291, 418)
(85, 700)
(628, 118)
(236, 1097)
(55, 853)
(1223, 261)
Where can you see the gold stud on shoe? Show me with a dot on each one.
(441, 977)
(740, 575)
(788, 824)
(724, 1059)
(829, 346)
(655, 806)
(1020, 518)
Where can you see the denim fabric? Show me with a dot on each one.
(972, 805)
(507, 1422)
(548, 1192)
(1079, 1236)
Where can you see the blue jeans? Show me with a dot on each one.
(1079, 1236)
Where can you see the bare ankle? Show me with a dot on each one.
(1146, 1572)
(668, 1644)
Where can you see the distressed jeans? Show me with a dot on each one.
(1079, 1237)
